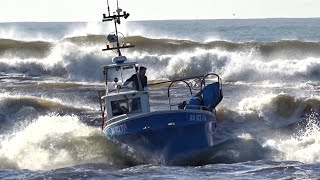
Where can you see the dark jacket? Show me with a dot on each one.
(143, 79)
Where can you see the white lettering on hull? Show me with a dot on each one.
(197, 117)
(118, 129)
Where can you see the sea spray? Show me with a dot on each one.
(51, 141)
(302, 145)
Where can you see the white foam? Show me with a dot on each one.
(272, 113)
(50, 142)
(303, 146)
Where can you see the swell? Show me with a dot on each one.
(288, 49)
(14, 109)
(24, 49)
(281, 112)
(232, 151)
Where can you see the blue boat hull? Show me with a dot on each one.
(172, 136)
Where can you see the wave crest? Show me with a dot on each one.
(25, 49)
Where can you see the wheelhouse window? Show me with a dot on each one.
(126, 106)
(136, 105)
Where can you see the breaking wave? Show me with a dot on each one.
(80, 58)
(275, 127)
(261, 130)
(276, 111)
(50, 142)
(18, 110)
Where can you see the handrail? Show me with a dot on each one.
(210, 74)
(169, 81)
(170, 87)
(203, 84)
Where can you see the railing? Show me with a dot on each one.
(198, 102)
(102, 106)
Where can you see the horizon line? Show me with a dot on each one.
(139, 20)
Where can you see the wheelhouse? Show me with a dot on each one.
(120, 98)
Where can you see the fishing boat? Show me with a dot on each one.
(172, 135)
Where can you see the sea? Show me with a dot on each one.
(268, 121)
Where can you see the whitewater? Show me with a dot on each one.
(268, 121)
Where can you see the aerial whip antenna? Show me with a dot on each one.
(108, 7)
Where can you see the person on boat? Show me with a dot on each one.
(118, 109)
(134, 78)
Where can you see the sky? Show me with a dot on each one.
(92, 10)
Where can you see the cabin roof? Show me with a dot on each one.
(115, 65)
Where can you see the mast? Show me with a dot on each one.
(114, 37)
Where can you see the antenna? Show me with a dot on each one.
(113, 37)
(108, 7)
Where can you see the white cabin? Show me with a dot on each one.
(123, 98)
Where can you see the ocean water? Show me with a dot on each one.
(268, 121)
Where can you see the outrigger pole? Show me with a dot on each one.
(114, 38)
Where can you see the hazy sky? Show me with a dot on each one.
(91, 10)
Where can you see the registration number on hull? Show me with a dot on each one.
(197, 117)
(118, 129)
